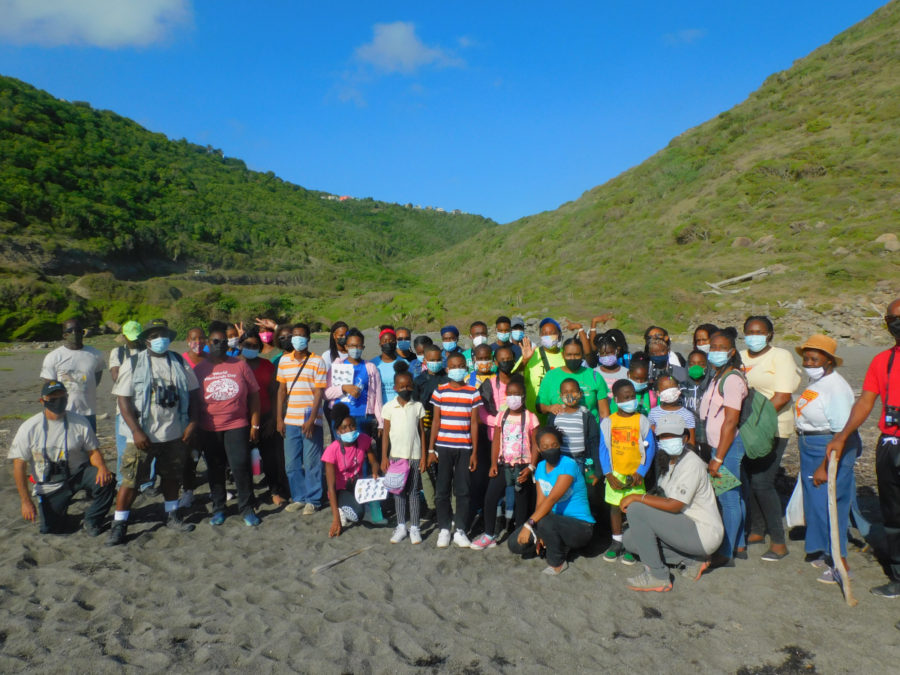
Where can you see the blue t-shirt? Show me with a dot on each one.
(357, 405)
(516, 349)
(386, 370)
(574, 503)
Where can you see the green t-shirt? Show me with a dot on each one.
(534, 373)
(592, 384)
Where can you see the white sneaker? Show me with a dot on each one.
(443, 539)
(344, 520)
(460, 539)
(415, 537)
(186, 500)
(399, 534)
(309, 510)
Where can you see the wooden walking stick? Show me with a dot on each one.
(843, 574)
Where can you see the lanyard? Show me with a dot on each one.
(65, 442)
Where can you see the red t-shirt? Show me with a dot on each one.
(264, 373)
(225, 387)
(877, 382)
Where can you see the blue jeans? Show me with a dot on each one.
(303, 464)
(815, 499)
(732, 503)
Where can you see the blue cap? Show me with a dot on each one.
(544, 322)
(51, 387)
(450, 329)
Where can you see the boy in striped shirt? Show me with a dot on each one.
(454, 446)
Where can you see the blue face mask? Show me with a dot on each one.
(717, 359)
(434, 366)
(755, 343)
(160, 345)
(671, 446)
(350, 436)
(250, 353)
(449, 346)
(354, 352)
(627, 406)
(518, 334)
(404, 345)
(638, 386)
(457, 374)
(299, 342)
(660, 361)
(502, 337)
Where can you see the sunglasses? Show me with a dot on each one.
(217, 341)
(67, 331)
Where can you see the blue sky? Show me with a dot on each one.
(504, 109)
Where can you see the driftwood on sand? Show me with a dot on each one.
(750, 276)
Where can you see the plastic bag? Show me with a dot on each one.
(794, 512)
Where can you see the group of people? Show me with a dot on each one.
(525, 441)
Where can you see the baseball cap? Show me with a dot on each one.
(51, 387)
(670, 423)
(517, 321)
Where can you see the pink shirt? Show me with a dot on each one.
(225, 388)
(349, 463)
(515, 442)
(712, 405)
(490, 421)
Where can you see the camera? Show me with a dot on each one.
(167, 395)
(892, 415)
(56, 472)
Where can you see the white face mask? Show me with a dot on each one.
(815, 373)
(479, 340)
(549, 341)
(234, 342)
(670, 395)
(703, 348)
(514, 402)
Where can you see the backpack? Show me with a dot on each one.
(758, 423)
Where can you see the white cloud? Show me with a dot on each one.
(685, 36)
(98, 23)
(395, 48)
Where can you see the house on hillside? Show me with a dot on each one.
(344, 198)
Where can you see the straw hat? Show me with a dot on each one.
(824, 344)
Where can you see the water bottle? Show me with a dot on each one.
(589, 474)
(255, 461)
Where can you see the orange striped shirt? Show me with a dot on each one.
(456, 407)
(301, 393)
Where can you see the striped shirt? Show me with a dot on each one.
(301, 393)
(686, 415)
(456, 406)
(571, 426)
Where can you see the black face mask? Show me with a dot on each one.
(285, 343)
(404, 394)
(573, 364)
(57, 405)
(341, 341)
(894, 327)
(551, 455)
(218, 350)
(389, 348)
(74, 340)
(506, 366)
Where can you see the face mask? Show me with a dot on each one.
(483, 366)
(815, 373)
(549, 341)
(57, 405)
(627, 406)
(299, 342)
(404, 345)
(341, 341)
(250, 353)
(457, 374)
(571, 400)
(696, 372)
(718, 359)
(518, 335)
(194, 346)
(638, 386)
(502, 337)
(350, 436)
(267, 337)
(434, 366)
(703, 348)
(449, 345)
(551, 455)
(755, 343)
(505, 366)
(404, 394)
(573, 364)
(218, 350)
(894, 327)
(354, 352)
(285, 342)
(670, 395)
(660, 361)
(609, 360)
(671, 446)
(514, 402)
(160, 345)
(233, 343)
(74, 339)
(389, 348)
(479, 340)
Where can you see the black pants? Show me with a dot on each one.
(560, 535)
(271, 451)
(479, 479)
(223, 449)
(495, 491)
(887, 470)
(763, 503)
(452, 470)
(54, 507)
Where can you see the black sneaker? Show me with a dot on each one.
(176, 522)
(117, 533)
(889, 590)
(93, 529)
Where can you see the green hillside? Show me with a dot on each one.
(807, 168)
(85, 191)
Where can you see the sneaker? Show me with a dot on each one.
(186, 500)
(832, 576)
(647, 582)
(820, 563)
(175, 522)
(552, 572)
(294, 506)
(229, 496)
(771, 556)
(443, 539)
(889, 590)
(309, 509)
(460, 539)
(92, 529)
(628, 558)
(415, 536)
(251, 519)
(612, 553)
(217, 518)
(117, 533)
(345, 521)
(694, 570)
(399, 534)
(483, 542)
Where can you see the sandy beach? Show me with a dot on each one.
(236, 599)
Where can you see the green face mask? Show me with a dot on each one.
(696, 372)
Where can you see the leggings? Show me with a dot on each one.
(524, 498)
(410, 495)
(763, 503)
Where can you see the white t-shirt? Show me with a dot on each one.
(116, 356)
(774, 371)
(406, 442)
(688, 482)
(164, 424)
(825, 404)
(326, 357)
(28, 445)
(612, 378)
(77, 369)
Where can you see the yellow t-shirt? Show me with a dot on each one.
(625, 443)
(774, 371)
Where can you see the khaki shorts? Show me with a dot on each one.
(170, 457)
